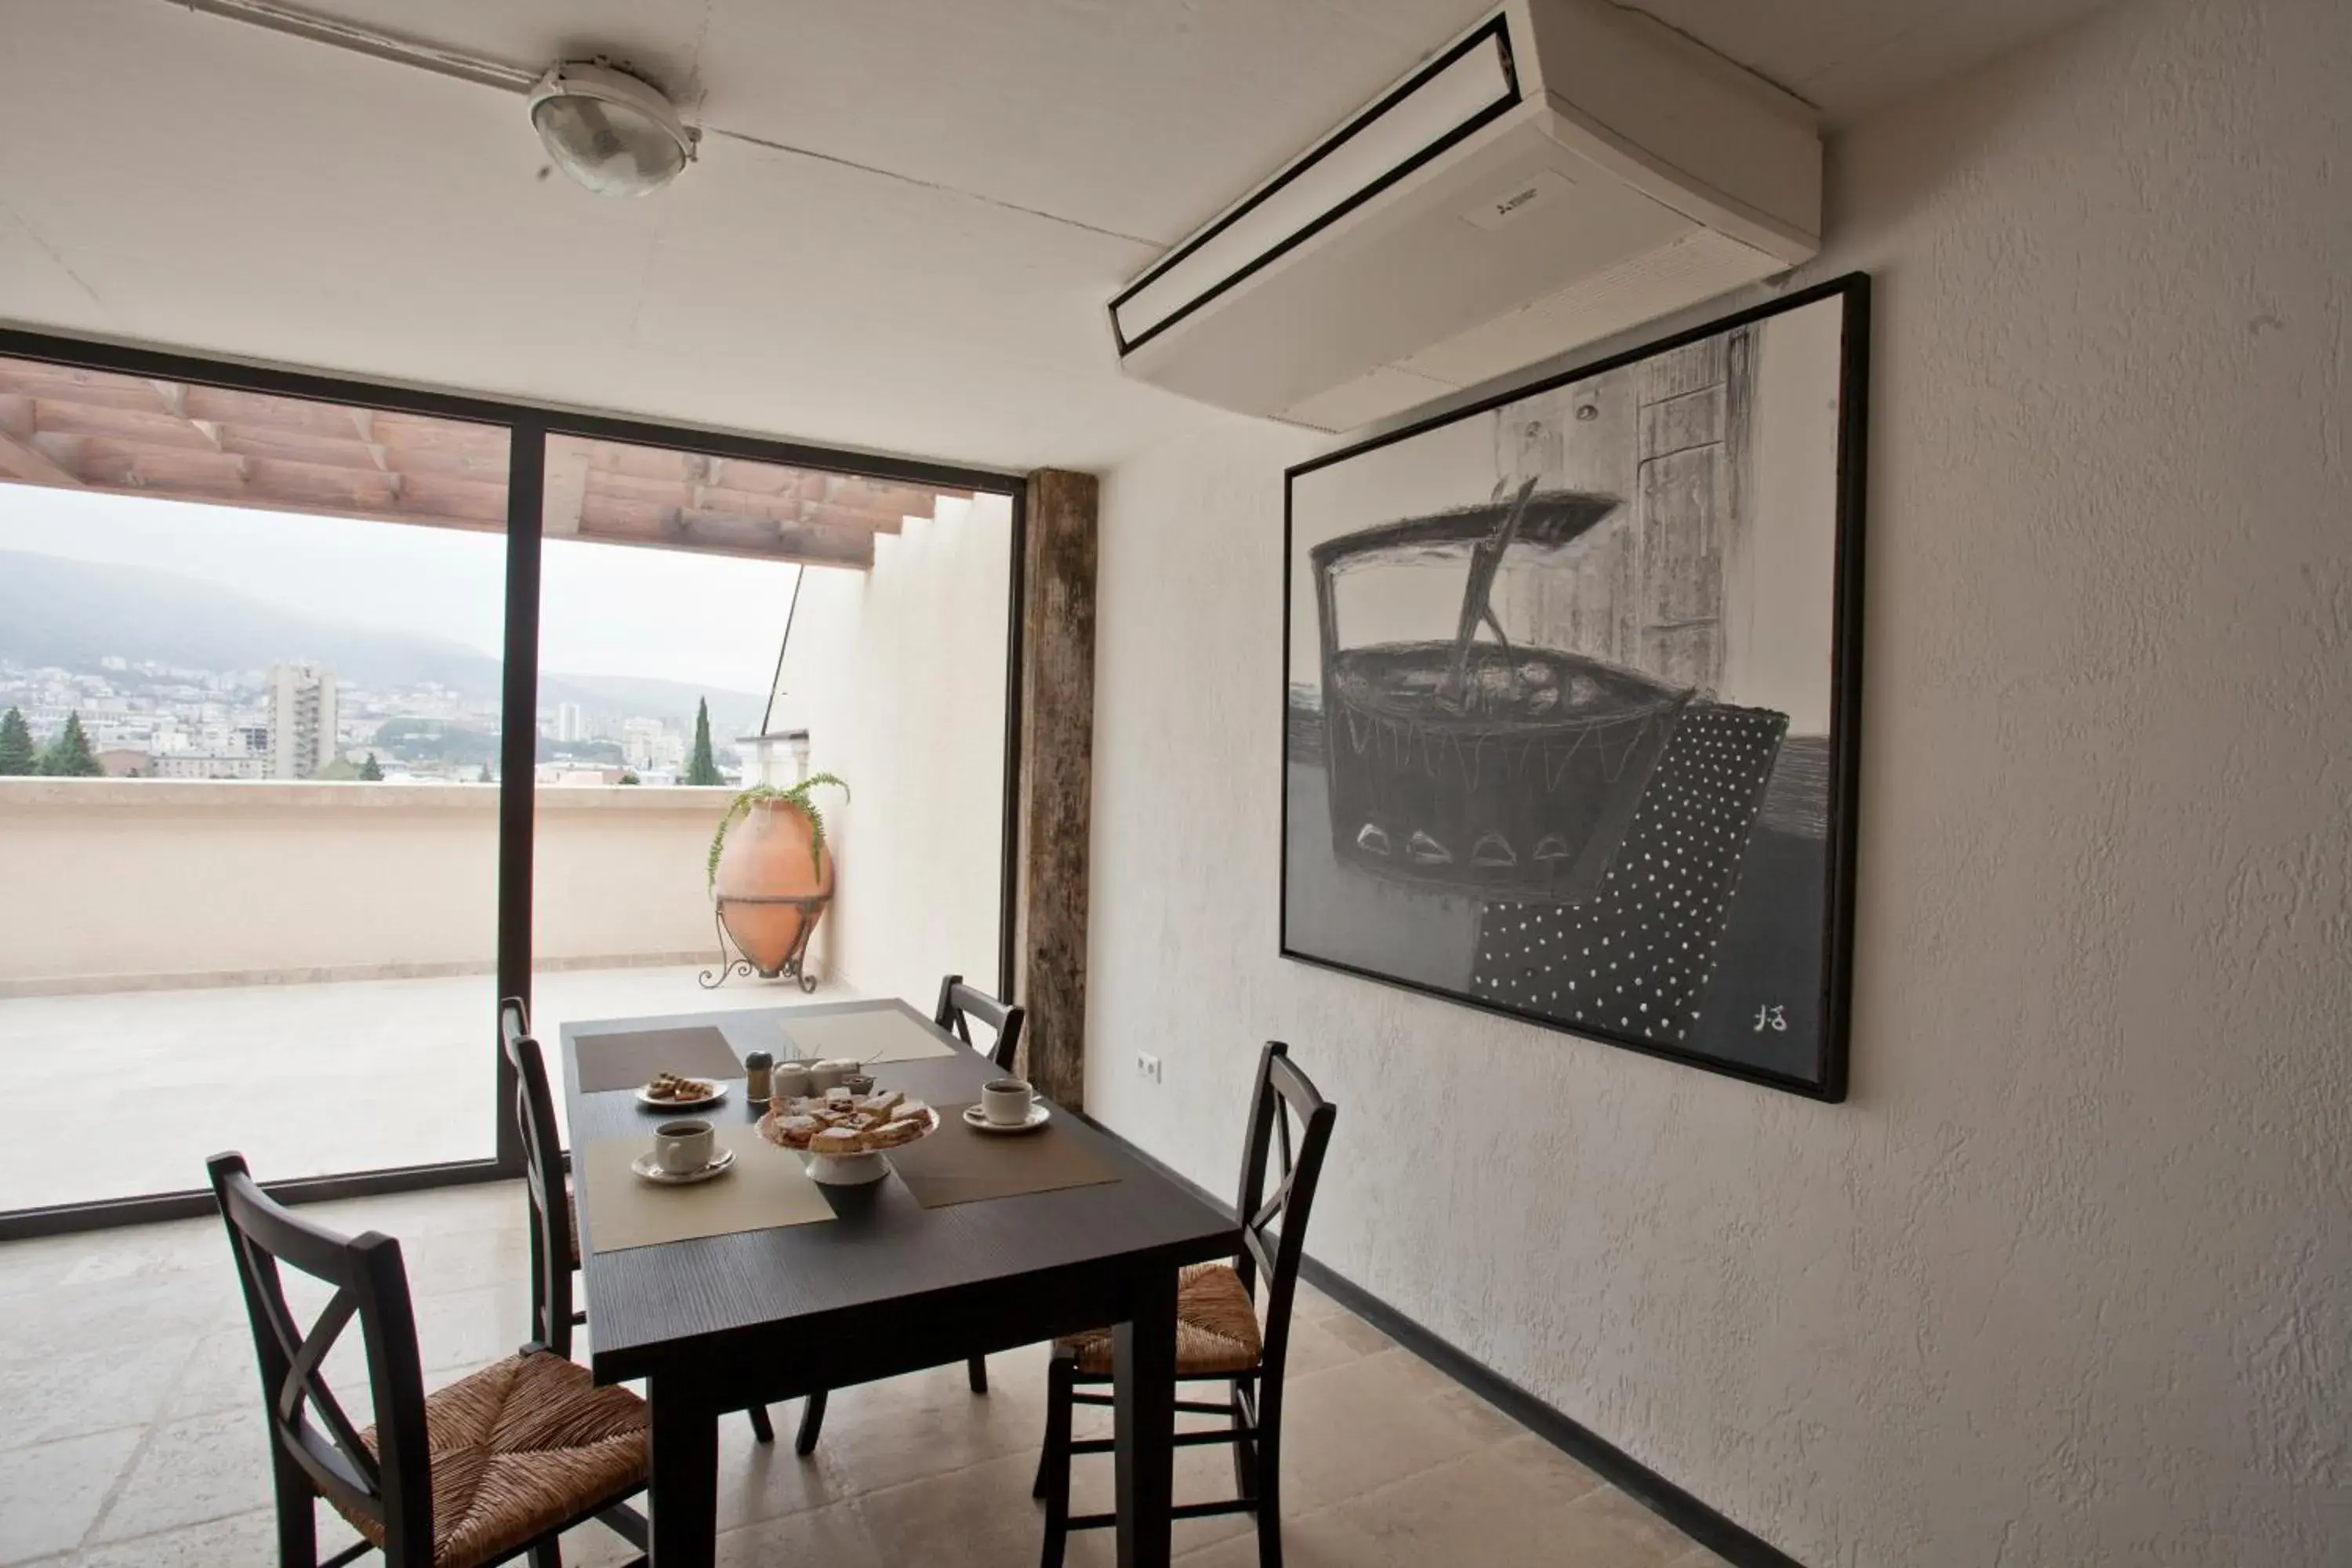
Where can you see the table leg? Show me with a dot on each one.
(683, 1498)
(1144, 1396)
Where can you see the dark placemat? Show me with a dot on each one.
(957, 1165)
(628, 1060)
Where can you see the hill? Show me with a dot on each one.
(71, 614)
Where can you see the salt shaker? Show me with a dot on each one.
(758, 1071)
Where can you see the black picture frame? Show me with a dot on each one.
(1828, 1079)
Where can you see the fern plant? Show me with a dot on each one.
(798, 795)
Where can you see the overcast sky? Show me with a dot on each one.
(605, 609)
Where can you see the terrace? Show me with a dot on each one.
(306, 970)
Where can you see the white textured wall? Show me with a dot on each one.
(2069, 1281)
(898, 676)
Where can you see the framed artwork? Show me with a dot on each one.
(1570, 697)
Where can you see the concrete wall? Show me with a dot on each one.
(113, 883)
(2066, 1281)
(897, 674)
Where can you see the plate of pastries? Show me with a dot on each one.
(839, 1124)
(676, 1092)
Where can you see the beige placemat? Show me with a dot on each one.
(957, 1165)
(767, 1187)
(629, 1058)
(884, 1034)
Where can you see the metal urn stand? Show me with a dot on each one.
(731, 958)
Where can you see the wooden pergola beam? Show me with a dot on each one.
(566, 488)
(19, 458)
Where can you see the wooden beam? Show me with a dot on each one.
(565, 489)
(21, 460)
(1054, 813)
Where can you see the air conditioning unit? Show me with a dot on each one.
(1564, 169)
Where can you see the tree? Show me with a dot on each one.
(18, 755)
(372, 771)
(485, 776)
(69, 756)
(629, 776)
(702, 768)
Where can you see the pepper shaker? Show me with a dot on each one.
(758, 1072)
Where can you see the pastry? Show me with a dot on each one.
(884, 1101)
(838, 1141)
(796, 1130)
(893, 1135)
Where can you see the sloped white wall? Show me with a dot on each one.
(897, 674)
(2065, 1283)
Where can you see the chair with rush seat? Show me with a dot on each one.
(1218, 1333)
(554, 1228)
(492, 1467)
(958, 1005)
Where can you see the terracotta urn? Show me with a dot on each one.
(772, 855)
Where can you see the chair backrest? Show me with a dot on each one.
(1274, 1222)
(959, 1004)
(542, 1161)
(393, 1484)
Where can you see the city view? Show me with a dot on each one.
(324, 648)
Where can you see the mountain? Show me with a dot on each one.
(71, 614)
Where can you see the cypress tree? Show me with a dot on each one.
(703, 768)
(69, 756)
(370, 770)
(18, 755)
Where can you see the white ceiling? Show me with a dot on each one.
(931, 280)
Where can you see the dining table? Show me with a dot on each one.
(885, 1285)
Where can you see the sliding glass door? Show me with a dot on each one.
(330, 713)
(711, 624)
(251, 679)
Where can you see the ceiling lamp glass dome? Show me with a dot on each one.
(613, 133)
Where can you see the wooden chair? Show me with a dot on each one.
(492, 1467)
(554, 1231)
(1218, 1336)
(958, 1005)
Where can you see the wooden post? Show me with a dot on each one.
(1057, 722)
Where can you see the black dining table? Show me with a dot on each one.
(717, 1323)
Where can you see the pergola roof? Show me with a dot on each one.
(98, 430)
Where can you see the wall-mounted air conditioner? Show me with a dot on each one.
(1561, 172)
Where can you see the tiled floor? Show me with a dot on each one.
(269, 1069)
(131, 1435)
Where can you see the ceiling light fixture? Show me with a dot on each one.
(613, 133)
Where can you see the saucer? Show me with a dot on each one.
(975, 1119)
(644, 1165)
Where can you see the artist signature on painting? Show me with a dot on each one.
(1775, 1017)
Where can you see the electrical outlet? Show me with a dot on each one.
(1146, 1065)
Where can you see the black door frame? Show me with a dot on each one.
(529, 425)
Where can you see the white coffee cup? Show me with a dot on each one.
(682, 1148)
(1005, 1102)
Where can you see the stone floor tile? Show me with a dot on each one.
(1357, 1334)
(835, 1536)
(982, 1515)
(1376, 1420)
(193, 1472)
(883, 1435)
(50, 1495)
(43, 1399)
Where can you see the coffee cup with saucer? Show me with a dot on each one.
(1007, 1105)
(685, 1151)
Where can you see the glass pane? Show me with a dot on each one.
(803, 622)
(253, 647)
